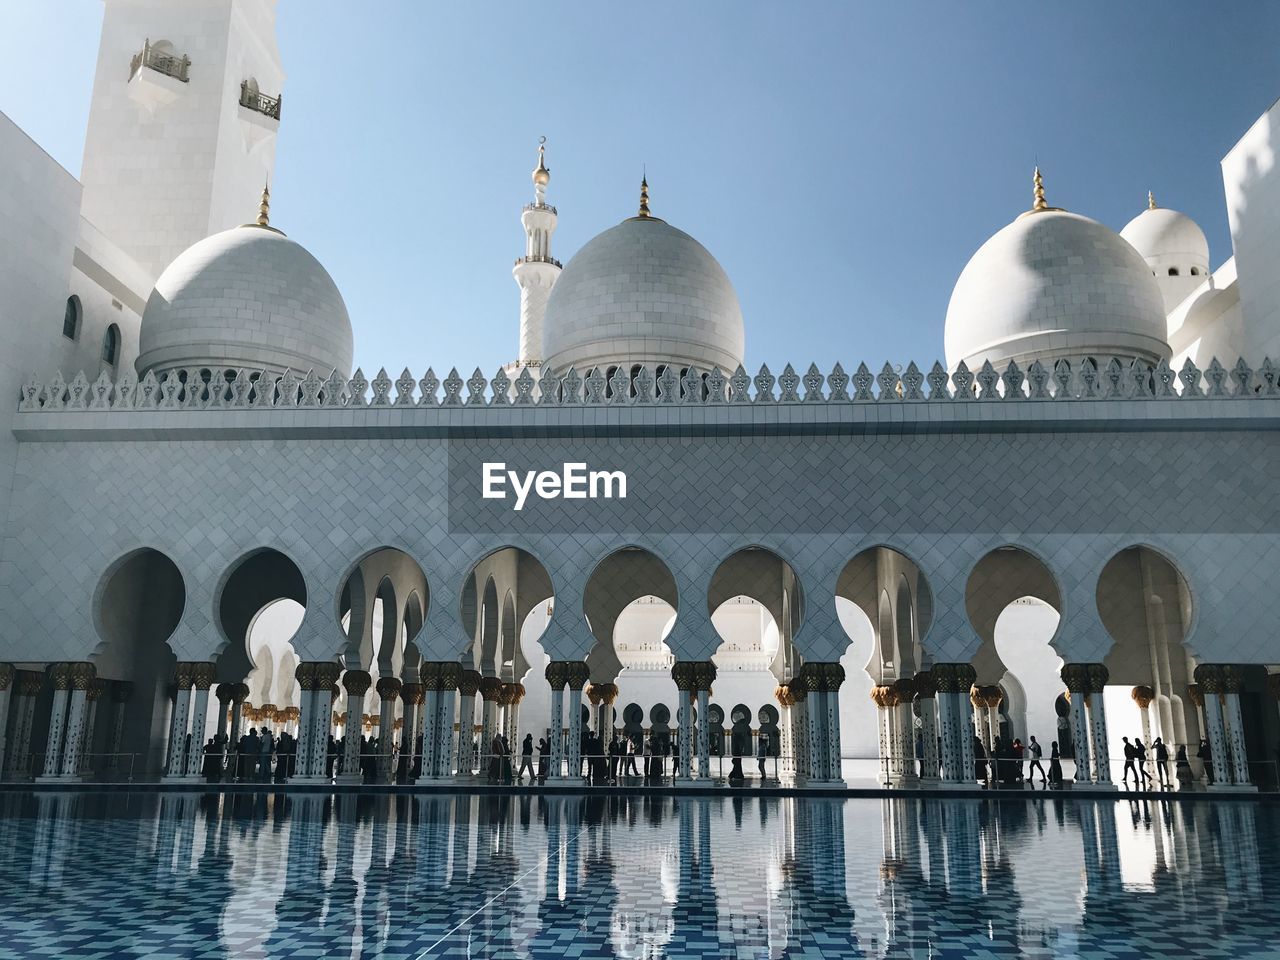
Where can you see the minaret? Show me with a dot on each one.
(537, 271)
(182, 122)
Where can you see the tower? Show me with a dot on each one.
(537, 271)
(183, 122)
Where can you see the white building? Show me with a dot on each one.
(209, 512)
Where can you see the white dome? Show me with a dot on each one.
(643, 292)
(247, 298)
(1054, 285)
(1167, 235)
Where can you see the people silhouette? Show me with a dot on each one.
(1036, 753)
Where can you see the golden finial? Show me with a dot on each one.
(1151, 200)
(644, 198)
(542, 176)
(1039, 203)
(264, 208)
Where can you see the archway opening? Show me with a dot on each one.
(1144, 602)
(140, 603)
(1014, 606)
(885, 606)
(506, 602)
(381, 608)
(631, 604)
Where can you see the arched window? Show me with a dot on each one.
(111, 345)
(1173, 271)
(1195, 271)
(71, 318)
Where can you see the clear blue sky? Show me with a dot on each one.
(842, 160)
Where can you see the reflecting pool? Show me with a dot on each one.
(194, 875)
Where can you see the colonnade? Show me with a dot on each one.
(943, 707)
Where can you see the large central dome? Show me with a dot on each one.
(643, 292)
(250, 298)
(1054, 285)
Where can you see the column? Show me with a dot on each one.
(1098, 675)
(833, 675)
(814, 715)
(578, 676)
(468, 685)
(926, 698)
(356, 683)
(952, 683)
(904, 711)
(429, 675)
(1076, 677)
(786, 749)
(704, 733)
(513, 715)
(6, 695)
(222, 693)
(1143, 697)
(557, 674)
(451, 674)
(1231, 683)
(202, 677)
(60, 673)
(490, 693)
(682, 674)
(82, 677)
(28, 687)
(823, 681)
(92, 701)
(388, 689)
(882, 697)
(321, 726)
(305, 674)
(798, 694)
(184, 678)
(413, 695)
(597, 707)
(121, 692)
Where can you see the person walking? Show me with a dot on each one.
(526, 759)
(1182, 769)
(1206, 757)
(762, 751)
(1161, 752)
(1036, 753)
(544, 759)
(1130, 759)
(633, 770)
(264, 755)
(1055, 763)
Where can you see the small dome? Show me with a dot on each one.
(643, 292)
(247, 298)
(1167, 235)
(1054, 285)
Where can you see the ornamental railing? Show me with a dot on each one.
(540, 206)
(161, 61)
(536, 259)
(260, 102)
(1085, 381)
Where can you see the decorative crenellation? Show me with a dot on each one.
(1088, 378)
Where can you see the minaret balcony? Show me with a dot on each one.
(162, 60)
(551, 260)
(252, 99)
(158, 76)
(541, 207)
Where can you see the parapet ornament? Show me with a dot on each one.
(1088, 378)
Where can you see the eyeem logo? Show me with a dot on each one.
(573, 482)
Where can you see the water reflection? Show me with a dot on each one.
(525, 876)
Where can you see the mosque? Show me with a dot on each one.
(213, 522)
